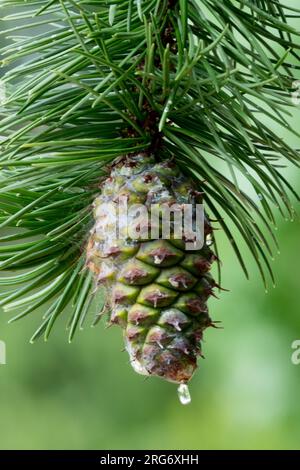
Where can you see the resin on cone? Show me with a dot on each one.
(157, 290)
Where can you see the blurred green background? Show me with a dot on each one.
(246, 393)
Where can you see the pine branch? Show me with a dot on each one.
(90, 81)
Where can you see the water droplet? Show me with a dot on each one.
(209, 240)
(112, 13)
(184, 394)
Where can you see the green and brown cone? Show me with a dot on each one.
(157, 290)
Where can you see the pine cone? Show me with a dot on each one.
(157, 289)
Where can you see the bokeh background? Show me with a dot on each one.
(246, 394)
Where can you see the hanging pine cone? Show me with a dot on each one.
(157, 290)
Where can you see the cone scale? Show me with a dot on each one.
(157, 290)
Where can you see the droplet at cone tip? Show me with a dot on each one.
(184, 394)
